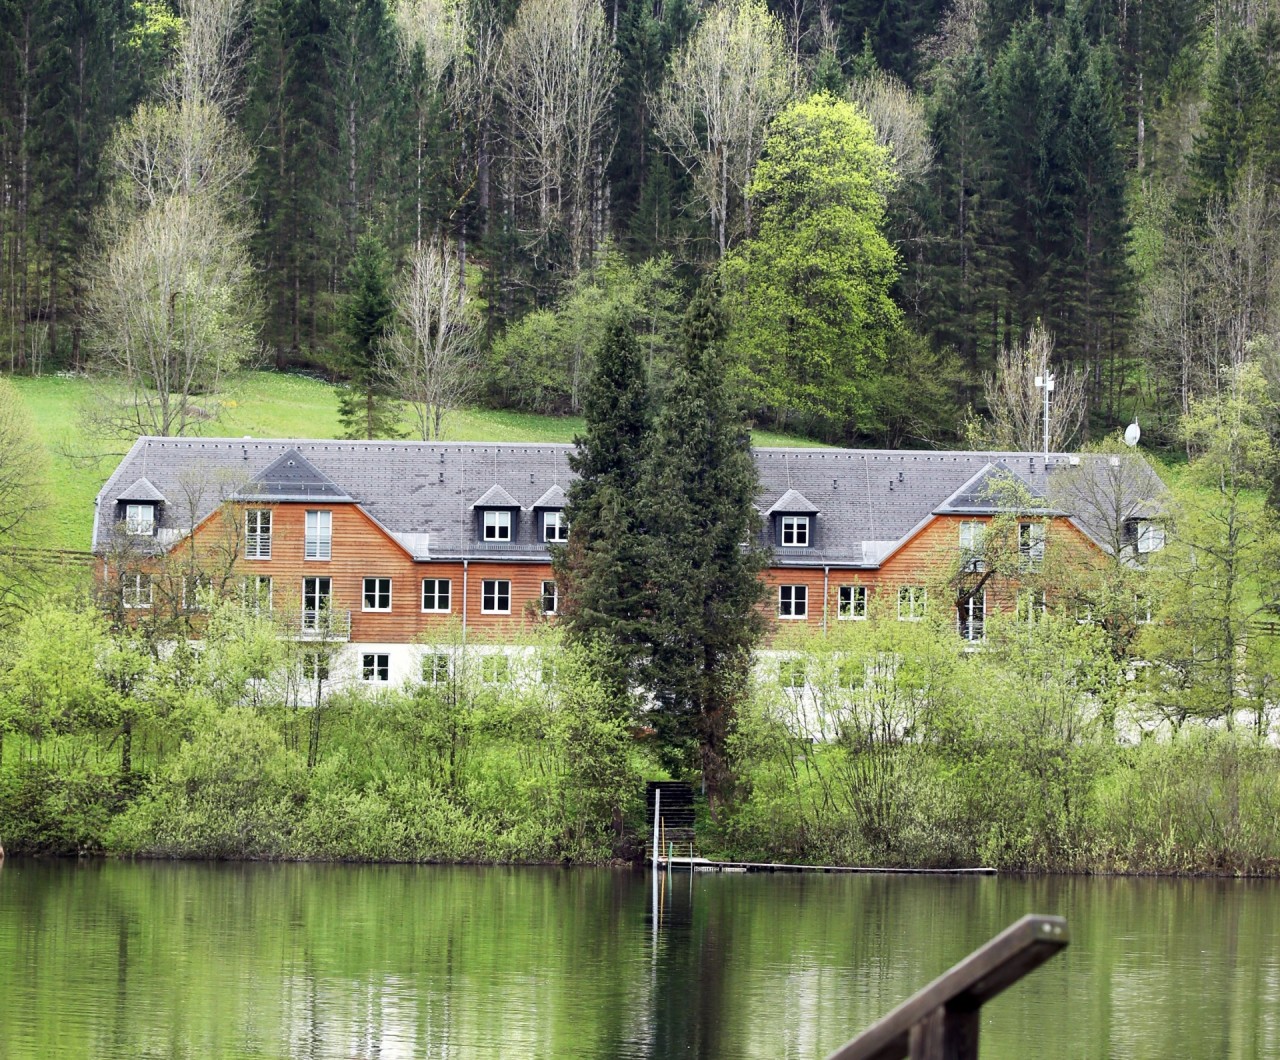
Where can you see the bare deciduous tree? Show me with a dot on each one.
(899, 120)
(558, 73)
(721, 92)
(168, 299)
(1016, 404)
(430, 359)
(171, 310)
(431, 38)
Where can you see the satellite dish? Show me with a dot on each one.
(1131, 434)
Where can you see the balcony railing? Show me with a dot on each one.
(325, 623)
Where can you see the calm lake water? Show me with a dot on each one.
(109, 959)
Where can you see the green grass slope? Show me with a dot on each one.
(261, 404)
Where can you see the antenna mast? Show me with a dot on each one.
(1045, 383)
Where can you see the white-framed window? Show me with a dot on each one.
(1032, 606)
(319, 535)
(793, 601)
(851, 674)
(315, 665)
(255, 592)
(375, 667)
(912, 602)
(495, 669)
(495, 596)
(550, 597)
(1142, 609)
(791, 673)
(971, 616)
(555, 527)
(135, 590)
(140, 519)
(317, 596)
(851, 602)
(971, 545)
(435, 668)
(257, 533)
(795, 531)
(376, 595)
(437, 595)
(1150, 536)
(497, 525)
(1031, 545)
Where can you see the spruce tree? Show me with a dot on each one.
(601, 570)
(365, 408)
(704, 553)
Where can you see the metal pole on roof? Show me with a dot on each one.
(1045, 383)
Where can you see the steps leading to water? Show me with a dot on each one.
(677, 816)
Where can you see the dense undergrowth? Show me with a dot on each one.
(901, 748)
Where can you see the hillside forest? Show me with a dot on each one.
(894, 192)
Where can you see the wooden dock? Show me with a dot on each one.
(687, 864)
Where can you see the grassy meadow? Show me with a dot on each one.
(261, 404)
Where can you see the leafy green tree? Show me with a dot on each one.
(366, 409)
(602, 570)
(810, 293)
(1219, 574)
(704, 553)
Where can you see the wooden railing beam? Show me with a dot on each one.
(941, 1021)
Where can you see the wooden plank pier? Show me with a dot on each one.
(691, 864)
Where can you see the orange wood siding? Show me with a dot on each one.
(361, 549)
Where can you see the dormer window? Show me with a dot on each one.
(497, 525)
(1147, 535)
(795, 531)
(555, 527)
(140, 519)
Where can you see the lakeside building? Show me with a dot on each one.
(375, 548)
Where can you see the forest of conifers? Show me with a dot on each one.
(1105, 168)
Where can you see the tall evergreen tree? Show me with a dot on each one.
(365, 408)
(601, 570)
(704, 551)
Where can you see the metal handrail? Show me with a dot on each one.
(941, 1021)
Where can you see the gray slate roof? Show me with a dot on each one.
(867, 501)
(142, 491)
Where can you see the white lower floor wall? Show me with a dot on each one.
(391, 666)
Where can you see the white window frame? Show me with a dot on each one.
(315, 665)
(1031, 539)
(378, 594)
(131, 587)
(375, 667)
(971, 531)
(1150, 536)
(916, 599)
(140, 520)
(491, 595)
(792, 673)
(851, 603)
(975, 612)
(437, 668)
(553, 596)
(495, 669)
(1032, 606)
(257, 533)
(794, 531)
(496, 525)
(555, 527)
(319, 535)
(251, 594)
(323, 601)
(793, 602)
(436, 595)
